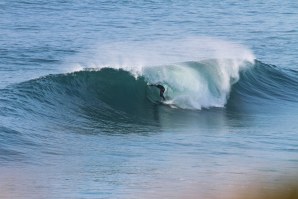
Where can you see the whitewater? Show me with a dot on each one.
(79, 119)
(197, 72)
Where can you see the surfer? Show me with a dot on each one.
(161, 90)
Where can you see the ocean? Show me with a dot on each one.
(79, 119)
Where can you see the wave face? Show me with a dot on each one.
(267, 82)
(107, 93)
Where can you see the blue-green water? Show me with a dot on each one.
(78, 119)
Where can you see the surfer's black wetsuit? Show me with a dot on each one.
(161, 90)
